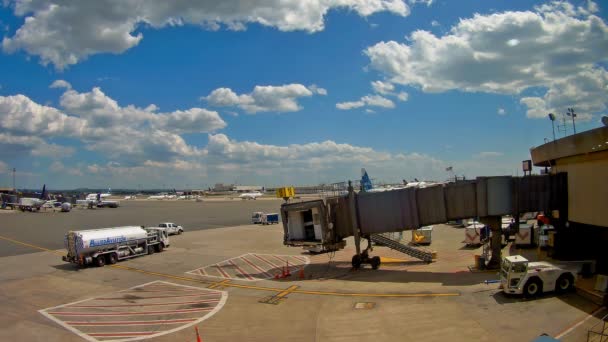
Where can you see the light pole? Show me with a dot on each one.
(14, 189)
(570, 112)
(552, 118)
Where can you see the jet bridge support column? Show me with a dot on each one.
(496, 242)
(353, 217)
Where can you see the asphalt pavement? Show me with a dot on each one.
(47, 229)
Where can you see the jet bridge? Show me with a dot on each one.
(322, 225)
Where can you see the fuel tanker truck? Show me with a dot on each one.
(108, 245)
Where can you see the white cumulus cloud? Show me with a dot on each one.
(279, 99)
(65, 32)
(507, 53)
(367, 100)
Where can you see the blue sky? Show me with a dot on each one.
(274, 93)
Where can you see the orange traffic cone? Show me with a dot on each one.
(301, 273)
(198, 337)
(287, 272)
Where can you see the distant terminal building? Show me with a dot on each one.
(221, 187)
(248, 188)
(583, 228)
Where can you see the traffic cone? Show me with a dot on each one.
(301, 273)
(277, 276)
(198, 337)
(287, 273)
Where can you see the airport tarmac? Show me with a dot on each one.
(222, 281)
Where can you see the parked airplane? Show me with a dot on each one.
(99, 196)
(251, 195)
(32, 203)
(367, 186)
(158, 197)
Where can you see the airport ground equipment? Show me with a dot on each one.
(413, 251)
(519, 276)
(269, 218)
(256, 217)
(108, 245)
(324, 224)
(525, 235)
(422, 235)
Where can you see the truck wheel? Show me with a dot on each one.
(160, 247)
(565, 283)
(179, 232)
(100, 261)
(533, 288)
(375, 262)
(112, 258)
(356, 261)
(150, 249)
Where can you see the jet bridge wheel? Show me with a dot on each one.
(375, 262)
(356, 261)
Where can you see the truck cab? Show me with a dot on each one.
(171, 228)
(162, 234)
(519, 276)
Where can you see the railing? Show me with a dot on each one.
(599, 331)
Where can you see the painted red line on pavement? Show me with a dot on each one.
(176, 290)
(286, 261)
(302, 259)
(219, 268)
(240, 270)
(120, 334)
(267, 261)
(202, 271)
(256, 267)
(162, 321)
(134, 313)
(148, 304)
(155, 297)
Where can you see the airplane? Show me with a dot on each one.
(32, 203)
(158, 197)
(251, 195)
(98, 196)
(367, 186)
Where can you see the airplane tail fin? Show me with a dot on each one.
(43, 193)
(366, 183)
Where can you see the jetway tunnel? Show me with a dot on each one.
(324, 224)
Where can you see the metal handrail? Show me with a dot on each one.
(602, 334)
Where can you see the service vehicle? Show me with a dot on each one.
(256, 217)
(269, 218)
(519, 276)
(172, 228)
(108, 245)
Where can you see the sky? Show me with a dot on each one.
(181, 94)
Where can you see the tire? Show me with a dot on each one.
(356, 261)
(151, 250)
(100, 261)
(179, 232)
(533, 288)
(565, 283)
(160, 247)
(375, 261)
(112, 258)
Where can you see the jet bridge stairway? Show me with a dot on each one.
(416, 252)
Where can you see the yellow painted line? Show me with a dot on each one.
(386, 260)
(252, 287)
(30, 245)
(219, 284)
(287, 291)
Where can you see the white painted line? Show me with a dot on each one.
(136, 336)
(569, 330)
(117, 323)
(293, 266)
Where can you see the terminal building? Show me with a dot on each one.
(583, 232)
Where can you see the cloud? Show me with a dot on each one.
(501, 111)
(60, 84)
(64, 33)
(278, 99)
(508, 53)
(482, 155)
(128, 133)
(403, 96)
(382, 87)
(435, 23)
(367, 100)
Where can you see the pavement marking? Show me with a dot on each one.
(287, 291)
(87, 324)
(218, 284)
(253, 287)
(251, 266)
(279, 297)
(576, 325)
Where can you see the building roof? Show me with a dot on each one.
(587, 142)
